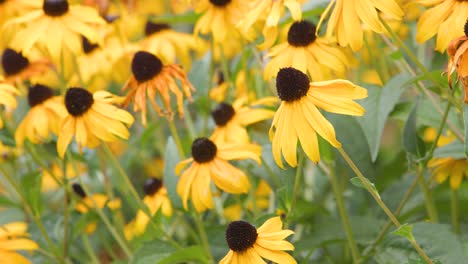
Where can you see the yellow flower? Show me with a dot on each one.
(444, 168)
(458, 60)
(169, 44)
(152, 77)
(231, 120)
(445, 18)
(95, 200)
(13, 237)
(249, 245)
(273, 10)
(12, 8)
(155, 198)
(48, 182)
(318, 57)
(7, 97)
(298, 117)
(219, 18)
(44, 117)
(91, 118)
(261, 200)
(346, 19)
(18, 68)
(430, 134)
(209, 161)
(68, 24)
(218, 93)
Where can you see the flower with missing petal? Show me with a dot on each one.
(18, 68)
(458, 60)
(305, 51)
(13, 237)
(150, 78)
(209, 162)
(92, 118)
(43, 118)
(250, 245)
(347, 17)
(231, 120)
(445, 18)
(156, 199)
(298, 117)
(68, 24)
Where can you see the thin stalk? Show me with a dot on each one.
(89, 250)
(439, 132)
(454, 211)
(343, 213)
(428, 200)
(381, 203)
(297, 182)
(270, 172)
(66, 215)
(178, 143)
(203, 236)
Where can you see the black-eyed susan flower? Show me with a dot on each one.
(13, 236)
(218, 93)
(346, 19)
(458, 60)
(156, 199)
(151, 78)
(444, 168)
(250, 245)
(91, 118)
(68, 24)
(169, 44)
(298, 117)
(18, 68)
(12, 8)
(44, 116)
(7, 97)
(271, 12)
(209, 162)
(445, 18)
(54, 171)
(220, 18)
(231, 120)
(319, 57)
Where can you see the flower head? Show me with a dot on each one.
(13, 237)
(348, 15)
(44, 116)
(298, 117)
(249, 245)
(444, 168)
(305, 51)
(18, 68)
(209, 162)
(445, 18)
(458, 60)
(151, 77)
(91, 118)
(7, 97)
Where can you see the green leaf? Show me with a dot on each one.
(454, 150)
(193, 253)
(412, 143)
(153, 252)
(405, 231)
(31, 184)
(169, 176)
(465, 123)
(358, 183)
(379, 104)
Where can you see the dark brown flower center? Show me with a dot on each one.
(152, 186)
(88, 47)
(145, 66)
(220, 3)
(301, 33)
(13, 62)
(291, 84)
(78, 190)
(465, 28)
(240, 236)
(151, 28)
(38, 94)
(2, 1)
(223, 113)
(55, 8)
(203, 150)
(78, 101)
(220, 78)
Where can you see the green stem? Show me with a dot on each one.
(343, 213)
(177, 140)
(89, 249)
(454, 211)
(381, 203)
(439, 132)
(297, 183)
(429, 201)
(270, 172)
(65, 210)
(203, 236)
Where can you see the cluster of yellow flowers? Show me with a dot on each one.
(64, 57)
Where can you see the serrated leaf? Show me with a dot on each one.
(356, 181)
(405, 231)
(379, 104)
(412, 143)
(171, 158)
